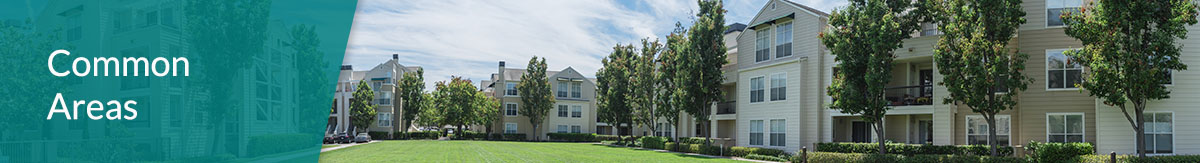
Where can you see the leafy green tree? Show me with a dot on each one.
(456, 102)
(613, 91)
(864, 37)
(979, 68)
(701, 64)
(487, 110)
(410, 89)
(536, 98)
(667, 104)
(1130, 49)
(643, 75)
(304, 42)
(430, 116)
(24, 50)
(362, 110)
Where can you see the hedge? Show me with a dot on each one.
(420, 135)
(276, 143)
(572, 137)
(765, 158)
(513, 137)
(910, 149)
(821, 157)
(693, 140)
(1135, 159)
(745, 151)
(653, 142)
(607, 138)
(1057, 152)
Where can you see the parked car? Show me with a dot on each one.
(342, 138)
(328, 139)
(362, 138)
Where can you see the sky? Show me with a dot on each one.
(469, 38)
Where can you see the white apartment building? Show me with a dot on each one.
(382, 80)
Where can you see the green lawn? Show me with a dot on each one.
(327, 146)
(496, 151)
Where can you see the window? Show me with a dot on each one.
(562, 89)
(1159, 132)
(510, 89)
(576, 89)
(664, 129)
(562, 110)
(1168, 78)
(783, 40)
(756, 89)
(510, 128)
(756, 132)
(510, 109)
(778, 132)
(1055, 8)
(1064, 127)
(977, 130)
(762, 49)
(929, 29)
(576, 129)
(1061, 72)
(562, 129)
(576, 111)
(384, 119)
(778, 87)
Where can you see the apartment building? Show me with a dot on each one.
(574, 109)
(382, 80)
(782, 84)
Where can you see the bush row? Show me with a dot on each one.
(1057, 152)
(652, 142)
(418, 135)
(572, 137)
(820, 157)
(276, 143)
(1135, 159)
(765, 158)
(911, 149)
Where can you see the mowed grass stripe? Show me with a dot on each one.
(496, 151)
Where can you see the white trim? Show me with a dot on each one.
(518, 108)
(791, 38)
(769, 88)
(1082, 123)
(750, 89)
(761, 9)
(1046, 70)
(1174, 145)
(1046, 8)
(770, 133)
(769, 43)
(515, 128)
(967, 128)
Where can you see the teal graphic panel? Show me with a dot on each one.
(168, 80)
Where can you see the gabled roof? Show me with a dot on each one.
(809, 9)
(735, 27)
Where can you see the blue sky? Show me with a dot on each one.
(468, 38)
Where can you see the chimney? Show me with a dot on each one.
(501, 63)
(347, 67)
(396, 56)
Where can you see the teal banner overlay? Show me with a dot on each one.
(168, 80)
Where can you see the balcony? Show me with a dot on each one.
(383, 101)
(727, 107)
(912, 95)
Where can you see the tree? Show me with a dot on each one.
(411, 87)
(487, 110)
(456, 102)
(1130, 49)
(362, 111)
(864, 37)
(429, 116)
(667, 105)
(979, 68)
(534, 89)
(642, 75)
(613, 89)
(701, 64)
(24, 50)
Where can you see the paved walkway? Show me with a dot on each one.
(340, 146)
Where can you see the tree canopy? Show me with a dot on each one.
(536, 98)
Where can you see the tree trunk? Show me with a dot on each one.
(991, 120)
(879, 135)
(1139, 109)
(535, 132)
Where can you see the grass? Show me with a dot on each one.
(327, 146)
(497, 151)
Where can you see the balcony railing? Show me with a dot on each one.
(385, 101)
(727, 107)
(909, 95)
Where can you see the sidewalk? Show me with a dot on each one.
(340, 146)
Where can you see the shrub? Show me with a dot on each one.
(607, 137)
(513, 137)
(652, 142)
(765, 158)
(1057, 152)
(818, 157)
(910, 149)
(419, 135)
(693, 140)
(276, 143)
(572, 137)
(378, 135)
(1135, 159)
(743, 151)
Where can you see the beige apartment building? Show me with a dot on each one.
(781, 96)
(382, 80)
(574, 109)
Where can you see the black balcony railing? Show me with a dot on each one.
(727, 107)
(909, 95)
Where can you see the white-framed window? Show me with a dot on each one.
(1055, 8)
(977, 130)
(576, 89)
(756, 89)
(510, 128)
(576, 111)
(510, 109)
(384, 119)
(762, 49)
(510, 89)
(562, 129)
(778, 132)
(1170, 78)
(1062, 72)
(562, 110)
(664, 129)
(562, 89)
(756, 132)
(1064, 127)
(1159, 132)
(778, 87)
(576, 129)
(783, 40)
